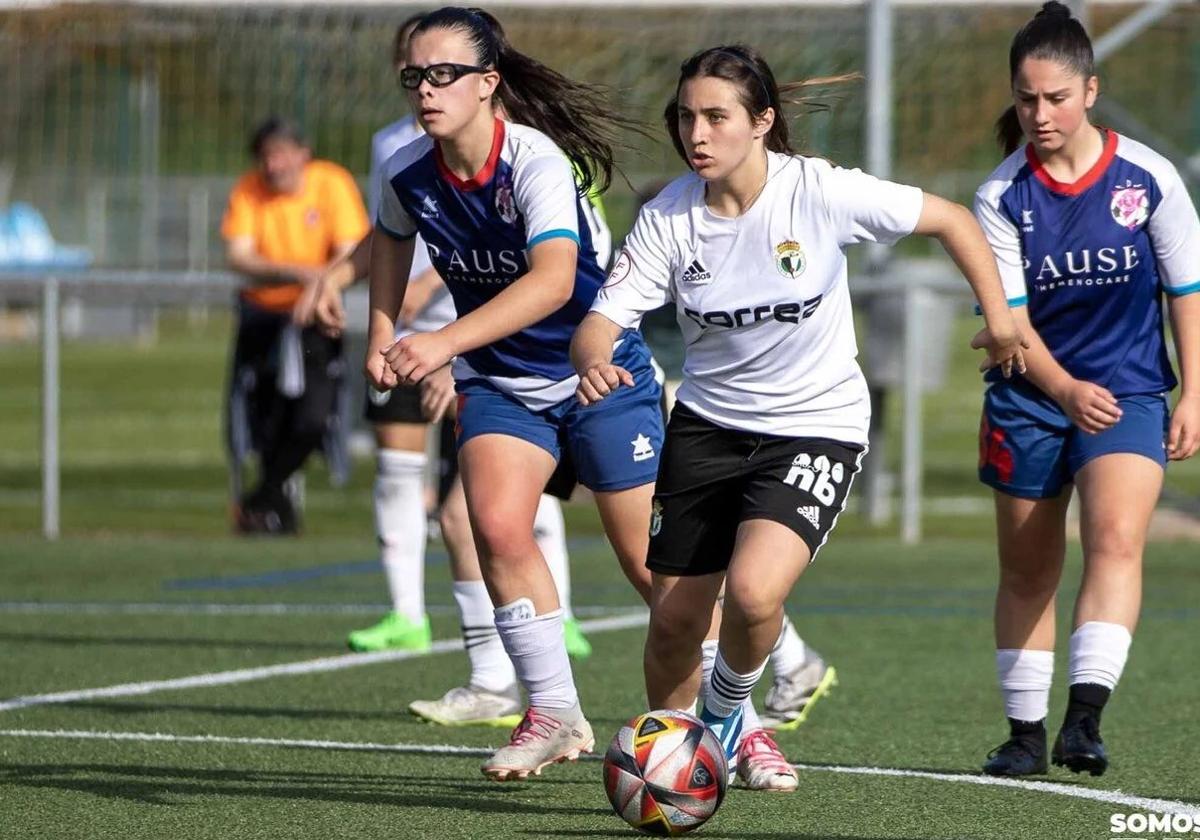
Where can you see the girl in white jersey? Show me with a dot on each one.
(1091, 230)
(771, 419)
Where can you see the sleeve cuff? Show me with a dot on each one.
(1180, 291)
(557, 233)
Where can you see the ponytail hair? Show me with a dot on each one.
(746, 69)
(1052, 34)
(575, 115)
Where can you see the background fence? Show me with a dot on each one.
(126, 124)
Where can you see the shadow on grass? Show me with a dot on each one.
(174, 786)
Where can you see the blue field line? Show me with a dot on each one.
(434, 556)
(281, 577)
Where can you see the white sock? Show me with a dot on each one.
(708, 659)
(539, 654)
(727, 689)
(788, 654)
(550, 532)
(491, 669)
(1098, 653)
(1025, 677)
(400, 524)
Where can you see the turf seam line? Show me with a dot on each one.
(1111, 797)
(308, 666)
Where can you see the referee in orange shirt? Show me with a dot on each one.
(287, 220)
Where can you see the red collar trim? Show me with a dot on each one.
(484, 175)
(1090, 177)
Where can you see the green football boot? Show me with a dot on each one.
(394, 632)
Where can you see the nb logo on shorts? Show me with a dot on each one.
(642, 450)
(818, 476)
(812, 513)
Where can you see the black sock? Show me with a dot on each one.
(1087, 700)
(1026, 730)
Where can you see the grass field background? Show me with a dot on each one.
(120, 600)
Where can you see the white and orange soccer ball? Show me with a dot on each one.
(665, 773)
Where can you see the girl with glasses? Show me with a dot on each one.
(504, 220)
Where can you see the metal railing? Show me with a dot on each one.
(914, 279)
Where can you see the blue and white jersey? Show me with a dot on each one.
(1091, 259)
(390, 139)
(479, 232)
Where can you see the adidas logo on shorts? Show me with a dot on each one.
(696, 273)
(812, 513)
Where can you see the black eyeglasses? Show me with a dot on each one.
(438, 75)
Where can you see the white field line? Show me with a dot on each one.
(201, 608)
(1111, 797)
(309, 666)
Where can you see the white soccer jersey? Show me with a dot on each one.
(762, 299)
(439, 311)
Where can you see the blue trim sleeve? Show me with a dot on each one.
(556, 233)
(1180, 291)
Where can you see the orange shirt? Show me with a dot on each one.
(303, 228)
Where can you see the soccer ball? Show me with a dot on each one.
(665, 773)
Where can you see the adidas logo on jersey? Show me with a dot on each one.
(696, 273)
(429, 208)
(812, 513)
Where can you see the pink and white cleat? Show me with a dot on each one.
(543, 737)
(762, 766)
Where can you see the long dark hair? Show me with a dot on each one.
(403, 33)
(1054, 35)
(575, 115)
(757, 89)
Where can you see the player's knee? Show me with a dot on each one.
(1114, 545)
(455, 524)
(503, 537)
(676, 626)
(1030, 583)
(750, 603)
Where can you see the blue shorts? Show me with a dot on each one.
(614, 444)
(1030, 449)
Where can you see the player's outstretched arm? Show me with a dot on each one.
(1091, 407)
(391, 260)
(537, 294)
(955, 227)
(591, 355)
(1184, 437)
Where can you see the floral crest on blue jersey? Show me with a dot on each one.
(1130, 206)
(506, 203)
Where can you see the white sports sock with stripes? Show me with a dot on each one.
(550, 533)
(400, 524)
(727, 689)
(708, 659)
(539, 654)
(1025, 677)
(1099, 650)
(491, 669)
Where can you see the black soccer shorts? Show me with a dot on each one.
(712, 479)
